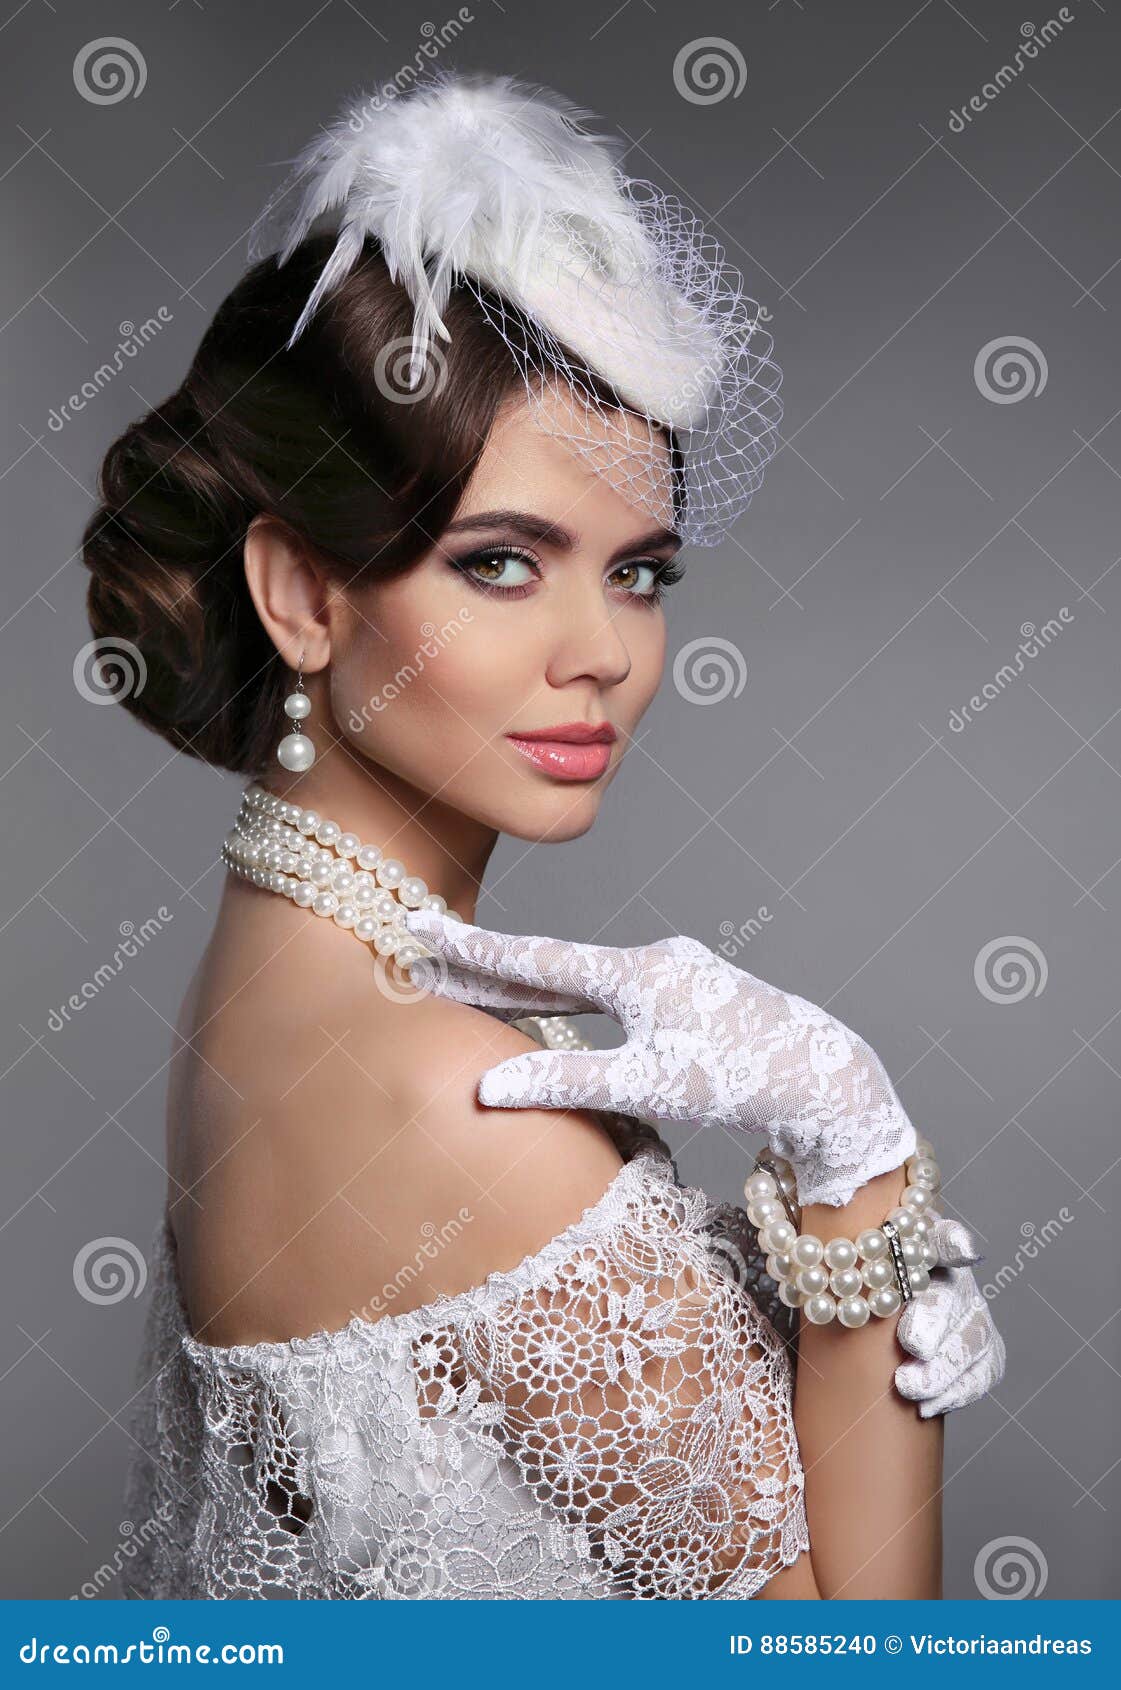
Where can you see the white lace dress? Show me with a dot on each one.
(609, 1419)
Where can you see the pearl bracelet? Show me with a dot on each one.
(845, 1279)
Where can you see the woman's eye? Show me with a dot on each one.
(643, 577)
(510, 574)
(497, 567)
(497, 571)
(650, 580)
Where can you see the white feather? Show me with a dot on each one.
(484, 177)
(464, 169)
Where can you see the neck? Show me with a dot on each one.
(446, 848)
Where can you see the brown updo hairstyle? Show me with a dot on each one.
(317, 436)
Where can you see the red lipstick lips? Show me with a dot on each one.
(570, 751)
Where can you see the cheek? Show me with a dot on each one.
(428, 685)
(646, 647)
(426, 679)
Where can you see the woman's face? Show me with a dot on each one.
(538, 608)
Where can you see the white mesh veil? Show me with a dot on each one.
(498, 186)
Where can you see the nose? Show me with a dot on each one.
(586, 641)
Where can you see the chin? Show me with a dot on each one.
(553, 819)
(559, 832)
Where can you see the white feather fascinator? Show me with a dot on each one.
(500, 187)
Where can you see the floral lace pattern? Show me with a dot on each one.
(610, 1419)
(706, 1042)
(959, 1353)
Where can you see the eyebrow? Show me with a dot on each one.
(530, 527)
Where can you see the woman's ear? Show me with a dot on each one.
(290, 592)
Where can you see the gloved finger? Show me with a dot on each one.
(923, 1325)
(976, 1382)
(912, 1381)
(954, 1360)
(505, 1001)
(956, 1245)
(579, 976)
(551, 1079)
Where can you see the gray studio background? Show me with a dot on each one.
(817, 792)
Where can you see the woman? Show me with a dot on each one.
(397, 550)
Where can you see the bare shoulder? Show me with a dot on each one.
(511, 1178)
(359, 1174)
(507, 1149)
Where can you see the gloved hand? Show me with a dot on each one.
(706, 1042)
(948, 1328)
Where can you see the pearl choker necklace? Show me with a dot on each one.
(311, 860)
(295, 852)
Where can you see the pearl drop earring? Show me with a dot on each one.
(296, 751)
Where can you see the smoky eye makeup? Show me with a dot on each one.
(505, 571)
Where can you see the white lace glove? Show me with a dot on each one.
(948, 1328)
(706, 1042)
